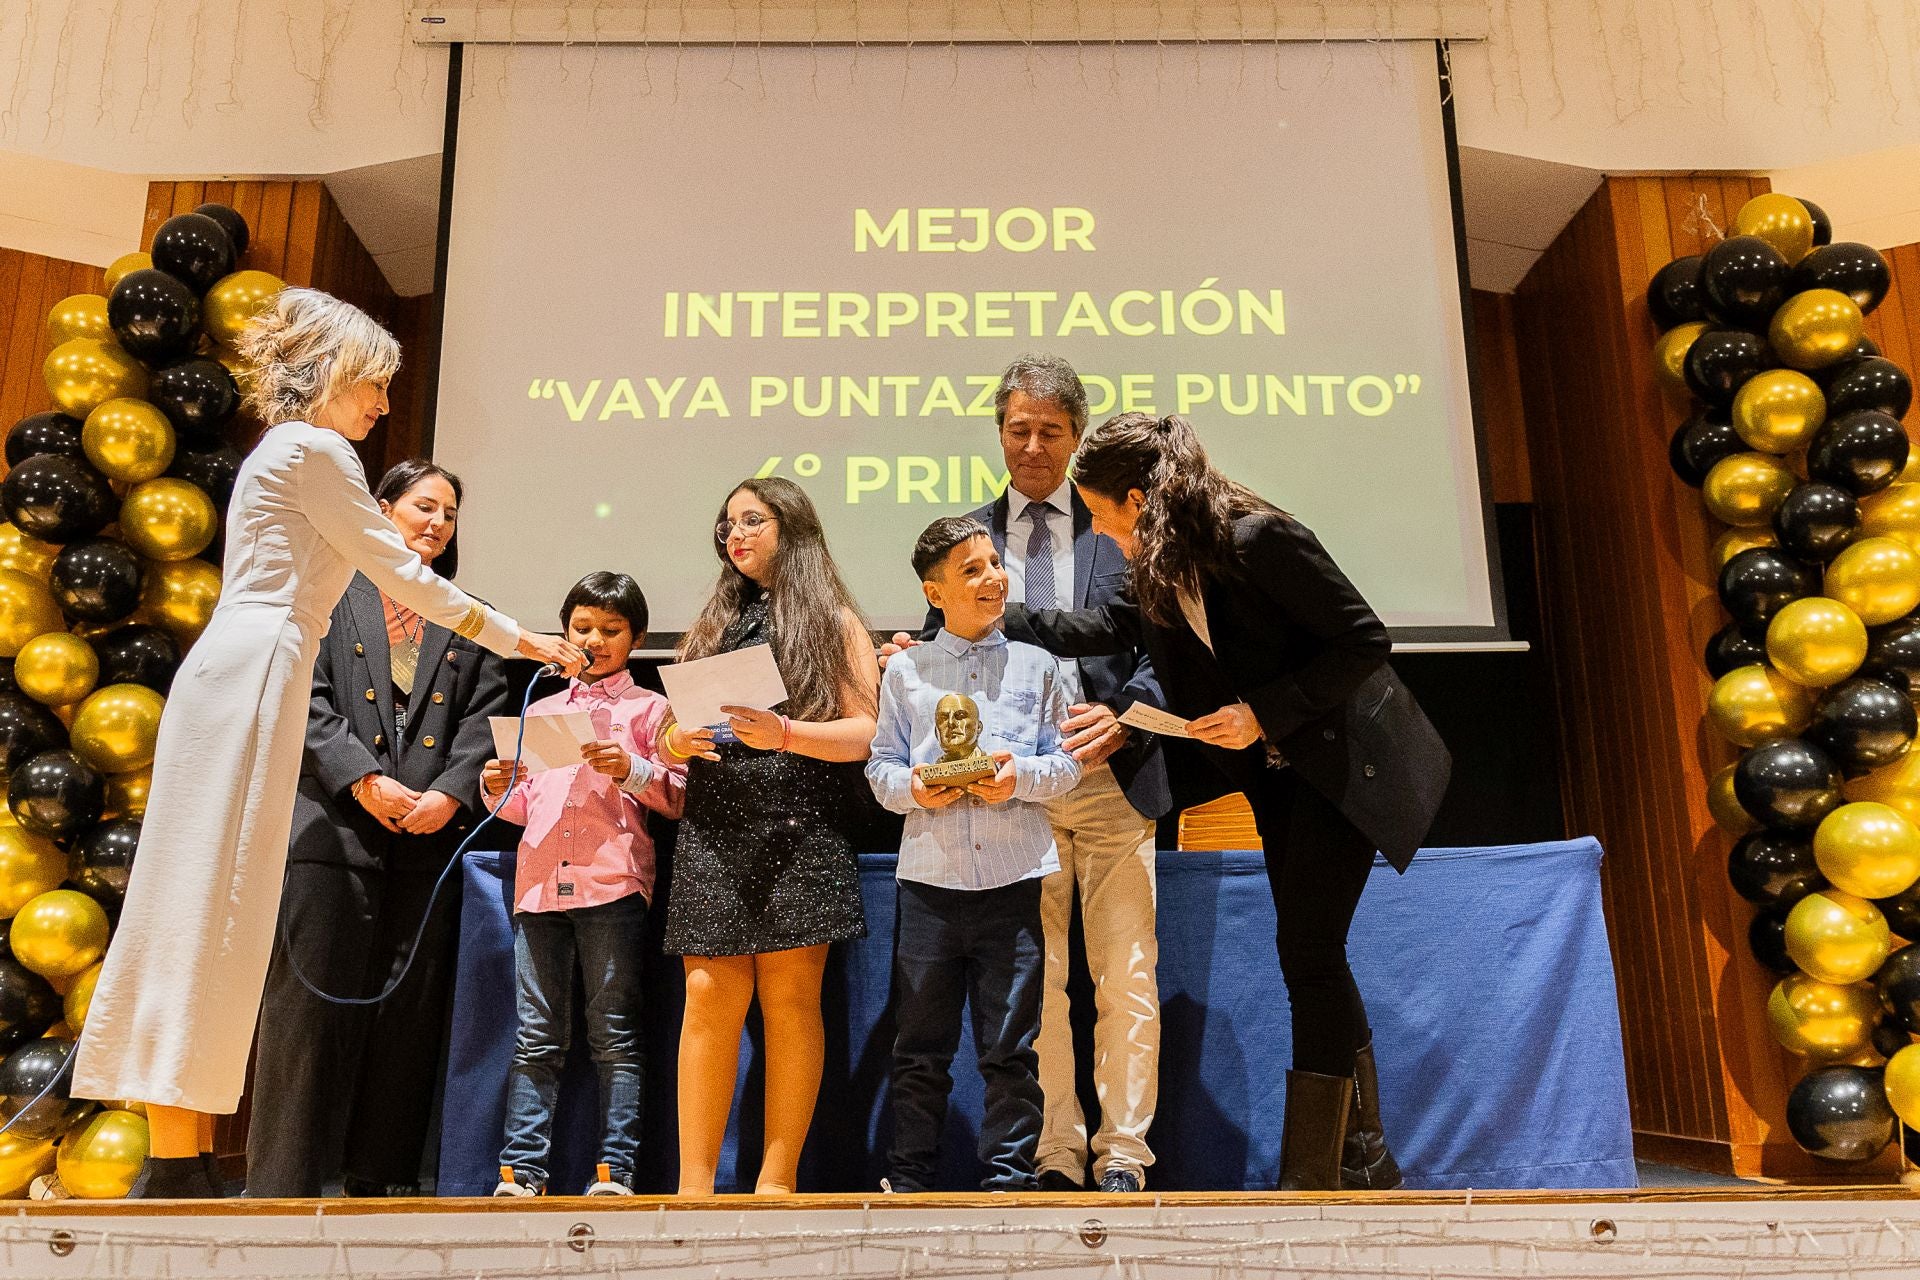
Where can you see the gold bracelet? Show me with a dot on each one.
(470, 627)
(666, 740)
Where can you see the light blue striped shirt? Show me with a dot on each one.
(971, 844)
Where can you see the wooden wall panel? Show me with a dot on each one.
(29, 287)
(1496, 371)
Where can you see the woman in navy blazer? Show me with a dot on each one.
(1281, 668)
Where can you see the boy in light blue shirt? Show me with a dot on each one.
(971, 861)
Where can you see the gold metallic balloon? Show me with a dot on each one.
(21, 1161)
(27, 609)
(1814, 328)
(1746, 488)
(1823, 1020)
(1837, 937)
(1903, 1085)
(1734, 541)
(1725, 806)
(1868, 849)
(80, 998)
(128, 440)
(1816, 641)
(1670, 354)
(168, 519)
(115, 728)
(101, 1158)
(1781, 221)
(1878, 578)
(236, 299)
(127, 793)
(1778, 411)
(56, 668)
(1893, 513)
(125, 265)
(60, 934)
(179, 595)
(84, 373)
(30, 865)
(124, 1104)
(84, 315)
(1896, 785)
(25, 555)
(1750, 704)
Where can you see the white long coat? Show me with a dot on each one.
(173, 1016)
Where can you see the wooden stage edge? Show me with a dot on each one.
(349, 1208)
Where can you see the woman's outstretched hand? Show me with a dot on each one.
(1232, 727)
(564, 654)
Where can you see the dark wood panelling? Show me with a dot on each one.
(30, 285)
(1502, 413)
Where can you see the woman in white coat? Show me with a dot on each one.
(173, 1016)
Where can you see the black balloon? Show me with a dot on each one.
(195, 249)
(214, 470)
(57, 499)
(1856, 270)
(1731, 647)
(1860, 452)
(1889, 1037)
(28, 1002)
(1674, 295)
(1787, 784)
(1898, 983)
(26, 729)
(138, 655)
(154, 315)
(7, 683)
(1870, 383)
(1841, 1113)
(1816, 521)
(1761, 581)
(196, 395)
(1767, 940)
(56, 794)
(1720, 360)
(103, 859)
(1893, 654)
(44, 433)
(1864, 723)
(1865, 349)
(1701, 441)
(1822, 224)
(96, 581)
(34, 1093)
(1744, 279)
(1903, 912)
(236, 226)
(1773, 868)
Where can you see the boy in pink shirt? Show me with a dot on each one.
(581, 889)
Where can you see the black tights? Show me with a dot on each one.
(1317, 866)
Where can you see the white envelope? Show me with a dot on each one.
(1154, 720)
(744, 678)
(552, 742)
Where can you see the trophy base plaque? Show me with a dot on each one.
(957, 773)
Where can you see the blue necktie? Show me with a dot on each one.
(1042, 591)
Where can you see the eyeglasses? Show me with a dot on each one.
(748, 525)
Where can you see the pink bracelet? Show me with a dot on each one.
(786, 732)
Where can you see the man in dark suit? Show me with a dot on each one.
(1105, 826)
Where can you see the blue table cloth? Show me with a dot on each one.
(1486, 971)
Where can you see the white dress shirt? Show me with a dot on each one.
(1060, 524)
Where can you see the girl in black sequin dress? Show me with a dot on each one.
(764, 875)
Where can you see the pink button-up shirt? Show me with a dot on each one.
(586, 842)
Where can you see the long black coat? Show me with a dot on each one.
(350, 733)
(1295, 641)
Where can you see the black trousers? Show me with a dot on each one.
(341, 1087)
(1317, 867)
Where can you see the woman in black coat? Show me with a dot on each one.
(396, 738)
(1281, 668)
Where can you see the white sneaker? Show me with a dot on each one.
(48, 1187)
(605, 1184)
(510, 1185)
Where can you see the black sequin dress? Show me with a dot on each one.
(766, 859)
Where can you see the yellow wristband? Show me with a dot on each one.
(666, 740)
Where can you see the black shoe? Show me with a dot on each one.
(367, 1189)
(1054, 1180)
(1123, 1181)
(1314, 1131)
(1365, 1162)
(174, 1178)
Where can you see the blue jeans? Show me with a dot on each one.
(607, 942)
(956, 948)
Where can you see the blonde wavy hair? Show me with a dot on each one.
(307, 347)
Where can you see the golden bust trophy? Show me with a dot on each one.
(956, 722)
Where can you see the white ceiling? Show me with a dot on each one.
(395, 210)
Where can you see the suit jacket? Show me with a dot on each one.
(1118, 679)
(1295, 641)
(350, 734)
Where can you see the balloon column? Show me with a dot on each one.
(112, 503)
(1796, 443)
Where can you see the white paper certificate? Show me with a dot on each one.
(551, 742)
(1154, 720)
(743, 678)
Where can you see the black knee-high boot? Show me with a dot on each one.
(1315, 1128)
(1366, 1163)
